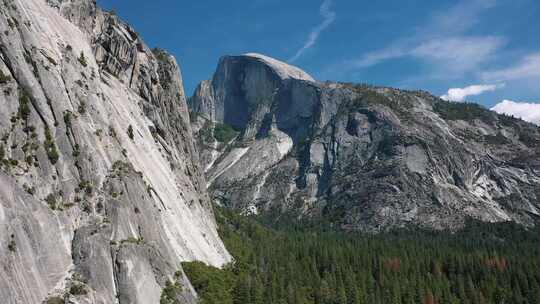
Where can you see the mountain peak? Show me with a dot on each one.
(284, 70)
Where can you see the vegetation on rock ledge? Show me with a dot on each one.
(50, 147)
(462, 111)
(170, 293)
(224, 133)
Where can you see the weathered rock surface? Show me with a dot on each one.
(101, 193)
(362, 157)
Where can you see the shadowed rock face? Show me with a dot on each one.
(362, 157)
(244, 89)
(100, 184)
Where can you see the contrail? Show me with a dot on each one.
(329, 17)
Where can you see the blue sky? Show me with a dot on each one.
(487, 50)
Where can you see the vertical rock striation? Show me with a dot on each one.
(101, 192)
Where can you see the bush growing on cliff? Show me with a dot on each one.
(130, 132)
(170, 293)
(82, 60)
(24, 105)
(161, 55)
(462, 111)
(224, 133)
(12, 246)
(51, 201)
(4, 78)
(78, 289)
(50, 147)
(67, 119)
(55, 300)
(82, 108)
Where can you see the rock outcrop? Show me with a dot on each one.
(101, 192)
(361, 157)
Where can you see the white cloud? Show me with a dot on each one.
(460, 17)
(460, 94)
(459, 53)
(528, 67)
(527, 111)
(443, 41)
(379, 56)
(329, 17)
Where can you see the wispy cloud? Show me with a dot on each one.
(455, 54)
(329, 17)
(376, 57)
(460, 94)
(459, 54)
(527, 111)
(528, 67)
(458, 18)
(443, 41)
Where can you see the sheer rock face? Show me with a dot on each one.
(362, 157)
(100, 184)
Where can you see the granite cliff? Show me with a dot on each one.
(275, 141)
(101, 193)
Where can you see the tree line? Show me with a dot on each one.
(292, 264)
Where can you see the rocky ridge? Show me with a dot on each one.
(360, 157)
(101, 192)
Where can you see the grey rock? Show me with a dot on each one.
(101, 192)
(361, 157)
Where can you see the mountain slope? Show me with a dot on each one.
(361, 157)
(101, 194)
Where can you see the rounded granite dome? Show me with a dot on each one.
(284, 70)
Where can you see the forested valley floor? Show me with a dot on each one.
(303, 264)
